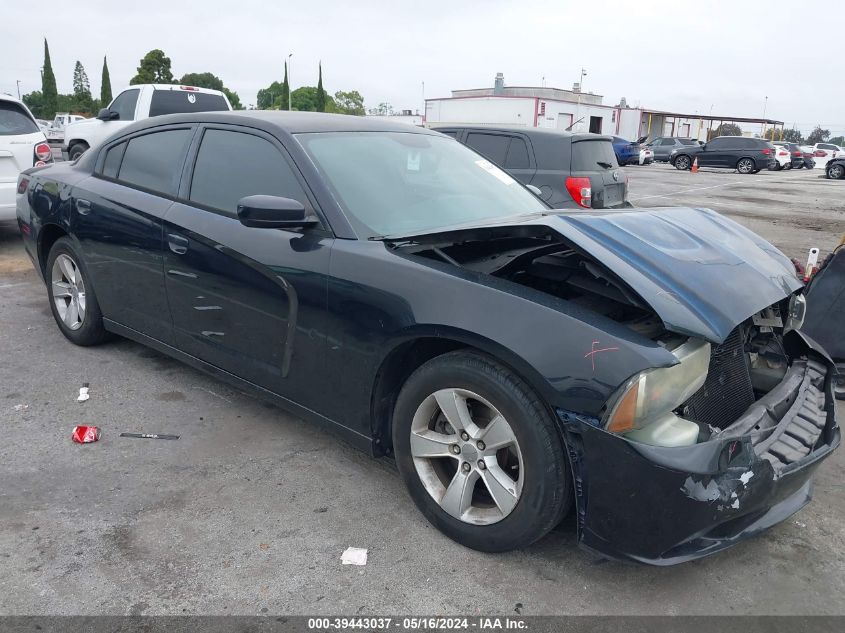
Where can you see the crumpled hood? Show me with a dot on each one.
(701, 272)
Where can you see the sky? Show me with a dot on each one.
(682, 56)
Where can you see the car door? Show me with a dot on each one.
(663, 148)
(250, 301)
(519, 160)
(714, 153)
(118, 215)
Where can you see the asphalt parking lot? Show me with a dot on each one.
(249, 511)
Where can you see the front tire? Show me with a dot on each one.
(836, 172)
(745, 166)
(72, 300)
(480, 453)
(76, 150)
(682, 162)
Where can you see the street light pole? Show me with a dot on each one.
(18, 81)
(290, 79)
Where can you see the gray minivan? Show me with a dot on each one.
(570, 170)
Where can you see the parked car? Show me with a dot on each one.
(835, 168)
(783, 156)
(830, 150)
(646, 155)
(627, 152)
(134, 104)
(663, 146)
(22, 146)
(744, 154)
(389, 283)
(796, 156)
(56, 130)
(570, 170)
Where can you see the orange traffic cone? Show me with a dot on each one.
(694, 168)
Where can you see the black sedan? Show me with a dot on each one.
(835, 168)
(643, 367)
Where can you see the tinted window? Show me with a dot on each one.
(593, 156)
(664, 141)
(231, 165)
(491, 146)
(451, 133)
(173, 101)
(124, 104)
(826, 146)
(517, 155)
(688, 141)
(112, 163)
(154, 161)
(718, 143)
(15, 120)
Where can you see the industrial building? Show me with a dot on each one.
(572, 110)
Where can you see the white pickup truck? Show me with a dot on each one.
(136, 103)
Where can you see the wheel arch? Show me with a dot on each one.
(47, 236)
(407, 355)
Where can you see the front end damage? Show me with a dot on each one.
(689, 457)
(665, 505)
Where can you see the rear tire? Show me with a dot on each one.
(682, 162)
(836, 172)
(489, 498)
(72, 299)
(76, 150)
(745, 166)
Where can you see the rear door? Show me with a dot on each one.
(19, 134)
(511, 152)
(716, 153)
(593, 157)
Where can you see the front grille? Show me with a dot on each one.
(727, 392)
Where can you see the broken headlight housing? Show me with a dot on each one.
(644, 409)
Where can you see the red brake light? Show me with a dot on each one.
(43, 152)
(581, 191)
(796, 153)
(767, 151)
(188, 88)
(820, 153)
(23, 183)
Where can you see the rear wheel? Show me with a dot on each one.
(788, 165)
(836, 171)
(682, 162)
(480, 453)
(745, 166)
(72, 299)
(76, 150)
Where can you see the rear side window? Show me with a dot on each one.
(826, 146)
(718, 143)
(517, 155)
(493, 147)
(688, 141)
(154, 161)
(112, 163)
(173, 101)
(124, 104)
(15, 120)
(593, 156)
(231, 165)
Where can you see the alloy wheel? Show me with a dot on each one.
(835, 172)
(682, 162)
(68, 291)
(467, 456)
(745, 166)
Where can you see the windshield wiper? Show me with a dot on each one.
(603, 164)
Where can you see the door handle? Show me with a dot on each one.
(177, 243)
(83, 206)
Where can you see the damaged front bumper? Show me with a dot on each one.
(664, 506)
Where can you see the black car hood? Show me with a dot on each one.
(702, 273)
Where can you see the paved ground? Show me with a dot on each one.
(250, 510)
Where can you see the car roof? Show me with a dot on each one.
(6, 97)
(285, 122)
(531, 131)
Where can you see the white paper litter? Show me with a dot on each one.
(354, 556)
(21, 407)
(83, 394)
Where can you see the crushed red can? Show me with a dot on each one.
(85, 434)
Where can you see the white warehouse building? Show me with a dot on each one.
(570, 110)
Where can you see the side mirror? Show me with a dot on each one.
(535, 190)
(272, 212)
(108, 115)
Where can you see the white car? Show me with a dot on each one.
(135, 103)
(783, 157)
(646, 156)
(22, 145)
(830, 151)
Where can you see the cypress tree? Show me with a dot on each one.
(105, 86)
(49, 93)
(321, 94)
(285, 90)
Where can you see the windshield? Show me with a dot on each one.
(391, 183)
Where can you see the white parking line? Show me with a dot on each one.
(721, 184)
(22, 283)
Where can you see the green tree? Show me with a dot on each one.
(727, 129)
(81, 89)
(790, 136)
(321, 93)
(154, 69)
(349, 102)
(818, 135)
(268, 97)
(233, 98)
(383, 109)
(837, 140)
(105, 85)
(305, 99)
(284, 98)
(35, 102)
(212, 82)
(48, 86)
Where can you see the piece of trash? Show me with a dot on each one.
(354, 556)
(83, 393)
(85, 434)
(150, 436)
(264, 546)
(21, 407)
(801, 525)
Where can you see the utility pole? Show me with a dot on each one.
(18, 81)
(290, 82)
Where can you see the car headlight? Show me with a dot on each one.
(650, 397)
(797, 312)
